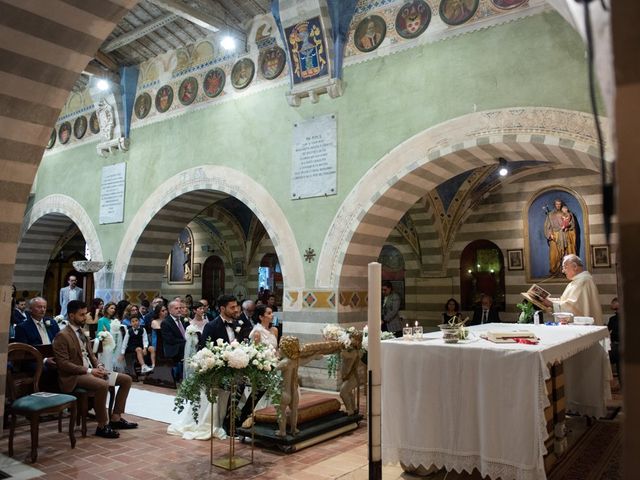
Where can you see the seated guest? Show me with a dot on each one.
(37, 330)
(207, 309)
(108, 314)
(146, 319)
(136, 341)
(485, 312)
(159, 313)
(199, 320)
(144, 309)
(20, 313)
(130, 311)
(79, 367)
(451, 309)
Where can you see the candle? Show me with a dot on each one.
(374, 400)
(416, 323)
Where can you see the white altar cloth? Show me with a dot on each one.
(481, 404)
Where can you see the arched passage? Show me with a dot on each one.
(142, 254)
(44, 226)
(561, 138)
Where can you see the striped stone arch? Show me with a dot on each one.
(41, 230)
(563, 138)
(142, 254)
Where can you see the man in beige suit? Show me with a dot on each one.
(79, 367)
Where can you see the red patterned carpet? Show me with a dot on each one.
(596, 455)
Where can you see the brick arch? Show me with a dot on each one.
(42, 228)
(563, 138)
(176, 202)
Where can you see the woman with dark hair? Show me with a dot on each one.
(451, 309)
(199, 320)
(93, 315)
(261, 332)
(120, 308)
(108, 314)
(159, 314)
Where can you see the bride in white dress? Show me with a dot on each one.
(186, 427)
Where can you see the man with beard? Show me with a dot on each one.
(79, 367)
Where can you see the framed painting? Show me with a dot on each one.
(52, 139)
(213, 83)
(80, 127)
(600, 256)
(64, 133)
(457, 12)
(413, 19)
(238, 268)
(197, 269)
(181, 259)
(94, 124)
(164, 98)
(272, 62)
(555, 225)
(370, 33)
(142, 107)
(515, 259)
(242, 73)
(188, 91)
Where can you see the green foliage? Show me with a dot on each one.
(527, 311)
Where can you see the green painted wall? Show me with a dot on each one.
(536, 61)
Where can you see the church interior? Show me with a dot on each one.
(165, 148)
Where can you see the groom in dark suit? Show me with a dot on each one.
(227, 325)
(37, 330)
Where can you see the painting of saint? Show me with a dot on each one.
(555, 228)
(52, 139)
(413, 19)
(508, 4)
(370, 33)
(214, 82)
(164, 98)
(272, 62)
(188, 91)
(64, 133)
(457, 12)
(80, 127)
(242, 73)
(181, 260)
(94, 124)
(142, 107)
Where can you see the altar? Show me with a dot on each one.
(489, 406)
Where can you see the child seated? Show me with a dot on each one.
(136, 340)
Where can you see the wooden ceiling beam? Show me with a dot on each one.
(204, 20)
(139, 32)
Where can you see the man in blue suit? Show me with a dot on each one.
(37, 330)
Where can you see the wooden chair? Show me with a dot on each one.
(83, 396)
(23, 373)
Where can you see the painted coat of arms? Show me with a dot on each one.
(308, 50)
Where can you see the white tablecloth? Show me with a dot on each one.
(480, 404)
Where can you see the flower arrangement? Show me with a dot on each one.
(526, 312)
(455, 325)
(346, 337)
(60, 320)
(192, 330)
(106, 339)
(365, 337)
(220, 365)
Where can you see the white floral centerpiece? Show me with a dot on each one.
(60, 320)
(192, 331)
(345, 336)
(221, 365)
(365, 338)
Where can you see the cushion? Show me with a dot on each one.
(311, 407)
(35, 402)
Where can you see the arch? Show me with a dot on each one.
(177, 201)
(562, 138)
(42, 228)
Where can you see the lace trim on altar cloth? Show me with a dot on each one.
(460, 463)
(578, 345)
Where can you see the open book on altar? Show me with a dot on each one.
(536, 294)
(510, 337)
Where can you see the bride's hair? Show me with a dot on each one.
(260, 311)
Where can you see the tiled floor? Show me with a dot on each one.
(149, 453)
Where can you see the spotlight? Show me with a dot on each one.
(228, 43)
(102, 84)
(504, 170)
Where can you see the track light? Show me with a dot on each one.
(102, 84)
(504, 169)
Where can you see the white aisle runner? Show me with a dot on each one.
(152, 405)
